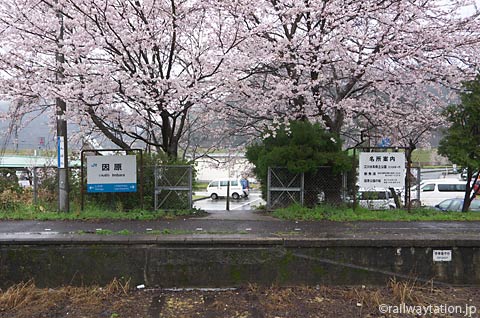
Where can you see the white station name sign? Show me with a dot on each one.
(112, 173)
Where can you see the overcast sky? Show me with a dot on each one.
(29, 137)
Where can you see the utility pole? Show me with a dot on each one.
(60, 108)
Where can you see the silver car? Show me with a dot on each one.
(456, 204)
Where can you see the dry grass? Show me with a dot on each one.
(404, 291)
(397, 292)
(118, 300)
(26, 295)
(18, 295)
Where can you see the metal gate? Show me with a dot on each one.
(173, 187)
(284, 188)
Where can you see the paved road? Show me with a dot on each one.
(437, 174)
(251, 202)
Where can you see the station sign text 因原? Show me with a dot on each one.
(111, 174)
(381, 170)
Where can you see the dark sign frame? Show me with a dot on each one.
(82, 176)
(407, 174)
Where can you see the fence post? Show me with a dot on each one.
(355, 180)
(419, 172)
(302, 188)
(269, 184)
(344, 187)
(142, 181)
(155, 199)
(35, 186)
(190, 185)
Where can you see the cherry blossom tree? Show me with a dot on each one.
(347, 63)
(143, 70)
(133, 71)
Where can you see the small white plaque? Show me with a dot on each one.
(442, 255)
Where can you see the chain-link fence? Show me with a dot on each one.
(45, 186)
(309, 189)
(165, 187)
(45, 192)
(173, 187)
(325, 186)
(170, 187)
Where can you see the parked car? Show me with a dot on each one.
(377, 199)
(456, 204)
(218, 188)
(434, 191)
(463, 175)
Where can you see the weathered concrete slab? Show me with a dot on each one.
(212, 261)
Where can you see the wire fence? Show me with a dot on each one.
(39, 186)
(285, 188)
(173, 187)
(325, 186)
(45, 192)
(170, 188)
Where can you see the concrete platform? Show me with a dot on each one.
(226, 253)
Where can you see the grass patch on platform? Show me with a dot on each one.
(325, 212)
(32, 212)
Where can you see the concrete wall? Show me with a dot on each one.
(232, 263)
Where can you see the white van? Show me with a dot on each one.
(218, 188)
(377, 199)
(432, 192)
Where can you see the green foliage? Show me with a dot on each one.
(302, 147)
(344, 214)
(461, 143)
(91, 212)
(10, 190)
(8, 180)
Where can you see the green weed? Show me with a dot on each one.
(330, 213)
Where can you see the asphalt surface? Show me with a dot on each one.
(249, 203)
(242, 221)
(254, 227)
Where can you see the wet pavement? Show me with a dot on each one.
(251, 202)
(241, 221)
(238, 225)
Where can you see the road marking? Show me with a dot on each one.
(248, 203)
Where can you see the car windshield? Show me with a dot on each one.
(456, 205)
(475, 205)
(445, 204)
(373, 195)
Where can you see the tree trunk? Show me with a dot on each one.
(468, 191)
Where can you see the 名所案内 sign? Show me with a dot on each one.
(381, 170)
